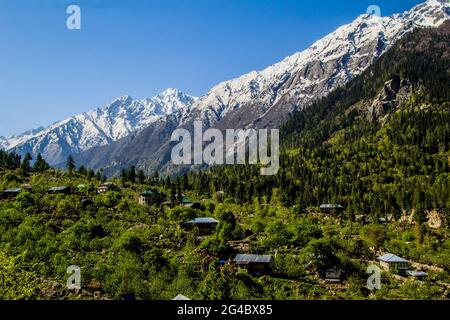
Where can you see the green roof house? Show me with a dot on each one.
(151, 197)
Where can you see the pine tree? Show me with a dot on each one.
(141, 177)
(25, 167)
(132, 174)
(70, 165)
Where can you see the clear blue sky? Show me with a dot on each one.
(141, 47)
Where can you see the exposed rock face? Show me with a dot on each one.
(394, 92)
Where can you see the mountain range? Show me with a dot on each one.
(137, 132)
(98, 127)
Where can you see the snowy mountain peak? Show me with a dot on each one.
(437, 2)
(326, 64)
(429, 14)
(170, 92)
(98, 127)
(171, 100)
(259, 98)
(124, 99)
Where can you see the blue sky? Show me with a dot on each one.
(141, 47)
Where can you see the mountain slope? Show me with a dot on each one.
(260, 98)
(379, 146)
(98, 127)
(267, 98)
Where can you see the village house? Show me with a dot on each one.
(59, 190)
(105, 187)
(183, 200)
(417, 274)
(333, 275)
(193, 205)
(331, 209)
(11, 193)
(205, 226)
(27, 187)
(254, 263)
(151, 197)
(392, 262)
(186, 202)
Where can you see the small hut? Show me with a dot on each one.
(11, 193)
(331, 209)
(205, 226)
(333, 276)
(391, 262)
(105, 187)
(59, 190)
(255, 263)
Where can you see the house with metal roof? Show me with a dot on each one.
(255, 263)
(11, 193)
(391, 262)
(331, 208)
(333, 275)
(193, 205)
(205, 226)
(186, 202)
(59, 190)
(416, 274)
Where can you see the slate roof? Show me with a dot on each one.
(13, 190)
(333, 274)
(186, 200)
(417, 273)
(150, 192)
(61, 188)
(203, 220)
(389, 257)
(331, 206)
(249, 258)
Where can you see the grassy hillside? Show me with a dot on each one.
(123, 247)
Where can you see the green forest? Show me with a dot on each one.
(378, 146)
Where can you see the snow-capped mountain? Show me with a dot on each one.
(266, 98)
(97, 127)
(309, 74)
(257, 99)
